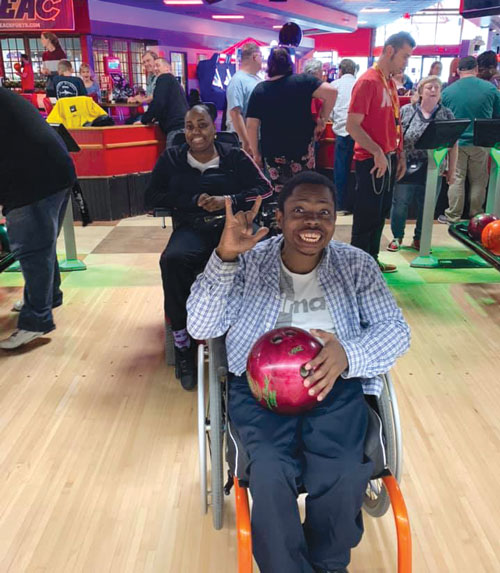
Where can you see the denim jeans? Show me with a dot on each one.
(402, 198)
(33, 232)
(344, 149)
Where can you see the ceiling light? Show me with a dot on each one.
(182, 2)
(278, 27)
(227, 17)
(375, 10)
(361, 22)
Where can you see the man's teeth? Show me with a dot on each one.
(310, 237)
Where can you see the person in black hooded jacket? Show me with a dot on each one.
(192, 180)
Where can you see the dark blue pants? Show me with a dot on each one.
(344, 149)
(33, 232)
(322, 450)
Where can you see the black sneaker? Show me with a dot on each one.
(185, 366)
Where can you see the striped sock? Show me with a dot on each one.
(181, 338)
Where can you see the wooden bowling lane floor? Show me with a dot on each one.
(98, 445)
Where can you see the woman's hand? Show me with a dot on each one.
(211, 203)
(451, 176)
(237, 236)
(320, 128)
(327, 366)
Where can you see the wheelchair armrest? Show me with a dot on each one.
(162, 212)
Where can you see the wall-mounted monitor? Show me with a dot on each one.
(479, 8)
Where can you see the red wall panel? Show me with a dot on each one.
(357, 43)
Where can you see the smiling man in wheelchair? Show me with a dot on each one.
(248, 289)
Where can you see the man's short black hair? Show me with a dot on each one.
(467, 63)
(305, 178)
(397, 41)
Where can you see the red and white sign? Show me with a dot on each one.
(43, 15)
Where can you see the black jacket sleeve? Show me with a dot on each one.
(159, 192)
(160, 97)
(251, 180)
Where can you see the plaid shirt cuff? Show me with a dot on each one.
(356, 359)
(218, 271)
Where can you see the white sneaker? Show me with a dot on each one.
(18, 338)
(18, 305)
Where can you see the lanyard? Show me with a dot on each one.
(395, 102)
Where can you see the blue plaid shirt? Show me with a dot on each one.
(243, 299)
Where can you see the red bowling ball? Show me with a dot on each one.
(275, 370)
(490, 237)
(478, 223)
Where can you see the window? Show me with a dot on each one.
(12, 48)
(73, 49)
(138, 75)
(178, 61)
(128, 52)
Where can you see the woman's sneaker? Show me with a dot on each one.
(415, 244)
(394, 245)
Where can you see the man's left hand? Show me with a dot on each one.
(327, 366)
(401, 168)
(211, 203)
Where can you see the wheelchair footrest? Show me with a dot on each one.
(229, 484)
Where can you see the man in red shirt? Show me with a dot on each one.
(25, 71)
(373, 123)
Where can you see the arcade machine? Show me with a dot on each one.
(116, 87)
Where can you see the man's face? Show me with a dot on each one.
(161, 67)
(148, 63)
(307, 220)
(399, 59)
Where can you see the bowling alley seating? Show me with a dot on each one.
(214, 425)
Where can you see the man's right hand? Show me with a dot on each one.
(237, 236)
(380, 164)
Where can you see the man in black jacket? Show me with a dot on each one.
(36, 174)
(192, 180)
(169, 103)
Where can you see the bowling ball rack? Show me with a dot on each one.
(459, 232)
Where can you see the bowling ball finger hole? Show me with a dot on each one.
(304, 372)
(277, 339)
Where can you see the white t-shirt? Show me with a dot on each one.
(303, 302)
(344, 86)
(212, 164)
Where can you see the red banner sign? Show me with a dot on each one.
(28, 15)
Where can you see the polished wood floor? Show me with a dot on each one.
(98, 446)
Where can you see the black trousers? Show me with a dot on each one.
(322, 450)
(372, 205)
(183, 259)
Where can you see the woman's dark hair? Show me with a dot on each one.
(194, 97)
(52, 38)
(279, 63)
(209, 109)
(305, 178)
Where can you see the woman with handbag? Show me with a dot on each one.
(414, 119)
(192, 180)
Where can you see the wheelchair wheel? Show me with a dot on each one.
(169, 346)
(217, 378)
(202, 429)
(376, 501)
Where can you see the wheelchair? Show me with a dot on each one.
(217, 439)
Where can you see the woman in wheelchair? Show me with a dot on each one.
(303, 279)
(192, 180)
